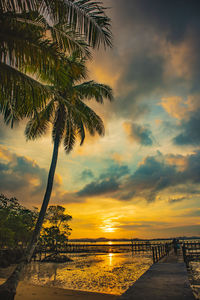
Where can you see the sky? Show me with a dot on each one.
(142, 179)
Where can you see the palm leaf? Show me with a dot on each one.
(62, 34)
(80, 130)
(70, 134)
(18, 5)
(69, 40)
(84, 16)
(92, 90)
(88, 17)
(20, 93)
(92, 122)
(20, 42)
(38, 125)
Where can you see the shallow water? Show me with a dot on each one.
(195, 277)
(109, 273)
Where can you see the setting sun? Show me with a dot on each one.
(107, 228)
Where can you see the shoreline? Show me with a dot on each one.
(35, 292)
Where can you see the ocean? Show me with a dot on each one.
(109, 273)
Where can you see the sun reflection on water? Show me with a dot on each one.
(110, 256)
(109, 273)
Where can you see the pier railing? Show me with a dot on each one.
(136, 247)
(191, 252)
(159, 251)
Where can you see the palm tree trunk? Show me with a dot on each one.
(8, 289)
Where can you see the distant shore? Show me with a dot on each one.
(33, 292)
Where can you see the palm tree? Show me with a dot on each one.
(68, 122)
(35, 37)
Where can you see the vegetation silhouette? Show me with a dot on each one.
(17, 224)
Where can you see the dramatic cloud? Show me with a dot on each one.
(164, 17)
(138, 133)
(156, 52)
(177, 200)
(175, 106)
(190, 134)
(115, 171)
(99, 188)
(151, 177)
(131, 226)
(106, 183)
(156, 174)
(22, 177)
(20, 174)
(87, 173)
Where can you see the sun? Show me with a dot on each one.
(107, 228)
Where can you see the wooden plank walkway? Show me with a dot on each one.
(166, 280)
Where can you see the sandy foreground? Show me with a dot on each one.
(27, 291)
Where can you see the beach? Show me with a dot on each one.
(35, 292)
(32, 292)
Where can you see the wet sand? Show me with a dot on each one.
(32, 292)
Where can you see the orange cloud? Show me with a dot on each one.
(117, 157)
(175, 107)
(5, 154)
(179, 108)
(128, 130)
(180, 58)
(104, 70)
(181, 162)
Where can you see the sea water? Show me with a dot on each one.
(194, 267)
(109, 273)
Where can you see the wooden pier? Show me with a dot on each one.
(165, 280)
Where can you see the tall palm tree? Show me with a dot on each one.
(35, 37)
(69, 122)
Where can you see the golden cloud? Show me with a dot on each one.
(181, 162)
(175, 107)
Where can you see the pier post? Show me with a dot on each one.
(153, 252)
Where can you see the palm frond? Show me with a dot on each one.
(18, 5)
(66, 39)
(92, 122)
(88, 17)
(25, 48)
(92, 90)
(70, 134)
(37, 126)
(20, 93)
(80, 131)
(69, 40)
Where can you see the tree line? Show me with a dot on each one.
(17, 224)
